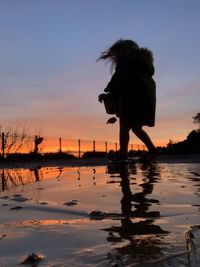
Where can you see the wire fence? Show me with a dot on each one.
(77, 147)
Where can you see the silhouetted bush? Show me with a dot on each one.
(38, 156)
(23, 156)
(190, 145)
(132, 153)
(58, 155)
(94, 154)
(135, 153)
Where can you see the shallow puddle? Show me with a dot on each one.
(116, 215)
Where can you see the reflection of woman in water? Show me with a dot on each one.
(146, 237)
(133, 91)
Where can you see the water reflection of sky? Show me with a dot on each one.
(145, 210)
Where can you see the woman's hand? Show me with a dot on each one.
(101, 97)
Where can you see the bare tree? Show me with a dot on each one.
(196, 119)
(13, 138)
(38, 140)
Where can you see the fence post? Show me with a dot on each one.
(3, 144)
(3, 180)
(116, 147)
(60, 145)
(79, 148)
(94, 146)
(106, 147)
(35, 145)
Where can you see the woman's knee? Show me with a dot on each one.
(137, 129)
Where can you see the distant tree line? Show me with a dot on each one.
(190, 145)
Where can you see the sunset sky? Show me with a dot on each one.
(49, 77)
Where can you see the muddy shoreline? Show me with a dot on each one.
(140, 214)
(32, 164)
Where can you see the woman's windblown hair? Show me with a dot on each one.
(118, 50)
(121, 48)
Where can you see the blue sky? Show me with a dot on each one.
(49, 75)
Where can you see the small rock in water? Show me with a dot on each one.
(71, 203)
(20, 199)
(113, 238)
(97, 214)
(4, 197)
(43, 203)
(16, 208)
(32, 258)
(40, 188)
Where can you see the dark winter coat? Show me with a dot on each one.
(134, 89)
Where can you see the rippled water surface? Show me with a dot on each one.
(116, 215)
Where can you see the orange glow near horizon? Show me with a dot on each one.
(70, 145)
(52, 145)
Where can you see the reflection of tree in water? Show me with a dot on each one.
(137, 225)
(195, 177)
(14, 177)
(10, 178)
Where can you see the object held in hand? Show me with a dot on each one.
(109, 103)
(111, 120)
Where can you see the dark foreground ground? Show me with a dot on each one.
(183, 158)
(101, 216)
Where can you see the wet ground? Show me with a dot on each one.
(115, 215)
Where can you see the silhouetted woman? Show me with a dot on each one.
(133, 90)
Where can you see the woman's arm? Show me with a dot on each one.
(115, 84)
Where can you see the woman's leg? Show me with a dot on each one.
(124, 128)
(143, 136)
